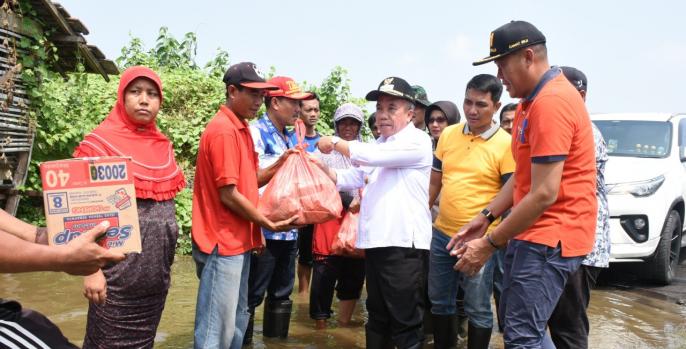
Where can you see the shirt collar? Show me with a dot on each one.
(553, 72)
(267, 122)
(240, 124)
(486, 135)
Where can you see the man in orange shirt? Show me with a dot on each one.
(225, 218)
(552, 193)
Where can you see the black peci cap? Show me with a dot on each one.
(392, 86)
(510, 38)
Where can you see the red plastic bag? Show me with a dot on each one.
(300, 188)
(344, 242)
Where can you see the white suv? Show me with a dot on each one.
(646, 182)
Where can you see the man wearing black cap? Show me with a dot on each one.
(225, 209)
(551, 226)
(395, 223)
(568, 324)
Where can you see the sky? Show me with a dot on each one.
(633, 52)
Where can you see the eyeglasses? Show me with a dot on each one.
(437, 120)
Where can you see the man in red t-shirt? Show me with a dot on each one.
(226, 221)
(552, 193)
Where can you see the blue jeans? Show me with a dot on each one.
(221, 312)
(444, 280)
(272, 273)
(498, 268)
(534, 278)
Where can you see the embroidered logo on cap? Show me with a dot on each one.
(292, 87)
(257, 71)
(387, 86)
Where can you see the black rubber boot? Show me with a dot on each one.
(477, 337)
(247, 338)
(445, 331)
(277, 317)
(375, 340)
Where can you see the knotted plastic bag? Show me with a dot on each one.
(300, 188)
(344, 242)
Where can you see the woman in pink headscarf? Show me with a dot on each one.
(127, 299)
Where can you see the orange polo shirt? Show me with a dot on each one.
(226, 156)
(553, 125)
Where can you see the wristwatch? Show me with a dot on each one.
(486, 212)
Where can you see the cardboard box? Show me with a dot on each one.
(80, 193)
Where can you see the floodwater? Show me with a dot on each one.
(619, 318)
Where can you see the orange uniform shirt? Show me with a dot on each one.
(554, 126)
(226, 156)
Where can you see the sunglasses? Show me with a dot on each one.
(439, 120)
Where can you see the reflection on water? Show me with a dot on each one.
(619, 319)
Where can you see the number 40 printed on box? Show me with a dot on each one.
(80, 193)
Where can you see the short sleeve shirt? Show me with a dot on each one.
(553, 125)
(270, 143)
(472, 170)
(226, 156)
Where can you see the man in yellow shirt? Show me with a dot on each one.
(471, 163)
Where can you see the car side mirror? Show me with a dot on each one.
(682, 140)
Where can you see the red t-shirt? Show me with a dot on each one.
(226, 156)
(555, 126)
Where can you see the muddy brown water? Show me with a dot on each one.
(619, 318)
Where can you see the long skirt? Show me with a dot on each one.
(137, 287)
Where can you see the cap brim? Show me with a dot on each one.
(300, 96)
(423, 102)
(374, 95)
(297, 96)
(260, 85)
(490, 58)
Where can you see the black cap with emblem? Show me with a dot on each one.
(576, 77)
(510, 38)
(246, 74)
(392, 86)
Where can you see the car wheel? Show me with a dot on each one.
(663, 265)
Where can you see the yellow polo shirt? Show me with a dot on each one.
(472, 169)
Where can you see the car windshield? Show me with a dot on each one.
(647, 139)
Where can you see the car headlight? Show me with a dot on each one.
(637, 189)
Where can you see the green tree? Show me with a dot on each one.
(333, 91)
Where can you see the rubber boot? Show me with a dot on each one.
(375, 340)
(277, 317)
(477, 337)
(247, 338)
(445, 331)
